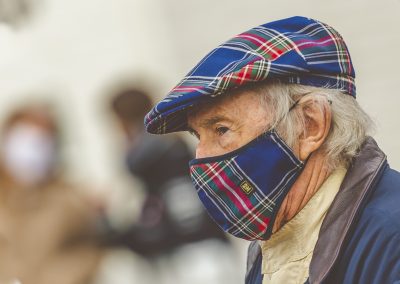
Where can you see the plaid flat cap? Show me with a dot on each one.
(294, 50)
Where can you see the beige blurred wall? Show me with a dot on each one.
(73, 50)
(70, 53)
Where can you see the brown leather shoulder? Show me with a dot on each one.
(357, 186)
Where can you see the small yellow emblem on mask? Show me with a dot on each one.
(246, 187)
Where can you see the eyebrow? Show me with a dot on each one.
(205, 123)
(213, 120)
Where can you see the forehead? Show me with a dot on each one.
(234, 106)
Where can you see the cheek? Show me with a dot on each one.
(229, 141)
(250, 132)
(254, 124)
(215, 145)
(234, 140)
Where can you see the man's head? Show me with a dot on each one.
(274, 110)
(296, 50)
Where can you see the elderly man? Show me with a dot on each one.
(284, 158)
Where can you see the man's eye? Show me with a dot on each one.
(222, 130)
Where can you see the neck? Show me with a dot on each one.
(306, 185)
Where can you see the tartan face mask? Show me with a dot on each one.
(244, 189)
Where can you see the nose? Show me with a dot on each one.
(205, 148)
(201, 151)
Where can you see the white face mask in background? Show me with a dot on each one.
(28, 154)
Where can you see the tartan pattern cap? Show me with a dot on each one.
(294, 50)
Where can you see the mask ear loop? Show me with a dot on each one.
(296, 103)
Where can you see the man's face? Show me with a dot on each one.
(228, 123)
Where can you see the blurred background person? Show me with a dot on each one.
(171, 219)
(46, 226)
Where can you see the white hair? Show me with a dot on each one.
(350, 125)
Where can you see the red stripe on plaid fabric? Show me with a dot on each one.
(244, 75)
(271, 48)
(241, 201)
(305, 43)
(226, 81)
(261, 227)
(219, 176)
(252, 221)
(216, 175)
(241, 196)
(340, 46)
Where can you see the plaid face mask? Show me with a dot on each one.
(244, 189)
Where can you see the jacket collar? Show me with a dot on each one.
(357, 186)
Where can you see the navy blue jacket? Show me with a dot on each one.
(359, 240)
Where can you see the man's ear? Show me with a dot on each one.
(318, 117)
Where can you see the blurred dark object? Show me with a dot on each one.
(16, 12)
(172, 214)
(47, 226)
(158, 160)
